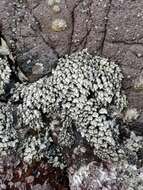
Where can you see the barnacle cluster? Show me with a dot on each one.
(8, 134)
(5, 73)
(79, 100)
(107, 176)
(80, 96)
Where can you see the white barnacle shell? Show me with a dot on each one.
(4, 50)
(51, 2)
(56, 8)
(103, 111)
(59, 25)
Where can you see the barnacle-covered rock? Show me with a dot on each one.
(132, 148)
(130, 177)
(5, 70)
(81, 95)
(76, 102)
(5, 73)
(8, 134)
(105, 175)
(94, 176)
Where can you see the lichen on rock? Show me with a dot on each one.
(8, 134)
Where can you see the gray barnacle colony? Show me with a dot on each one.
(106, 176)
(8, 134)
(5, 73)
(76, 102)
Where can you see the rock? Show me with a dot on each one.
(105, 176)
(24, 35)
